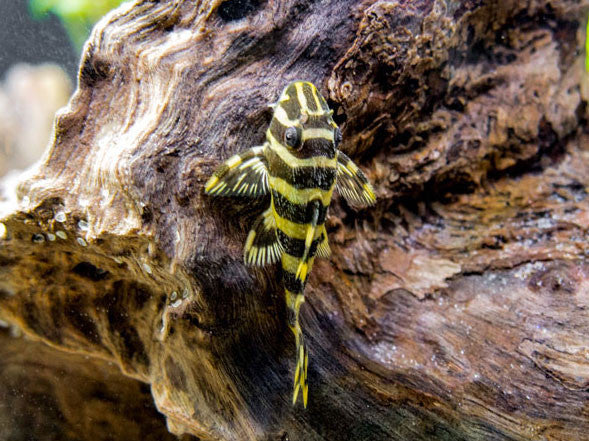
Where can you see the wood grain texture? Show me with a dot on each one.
(51, 395)
(455, 309)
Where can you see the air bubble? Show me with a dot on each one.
(147, 268)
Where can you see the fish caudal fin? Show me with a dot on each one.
(293, 303)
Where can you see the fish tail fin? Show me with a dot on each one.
(293, 303)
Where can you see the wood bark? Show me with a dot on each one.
(457, 308)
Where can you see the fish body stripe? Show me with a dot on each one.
(296, 247)
(289, 102)
(299, 195)
(312, 99)
(293, 212)
(308, 98)
(317, 125)
(318, 132)
(281, 115)
(319, 147)
(292, 283)
(304, 177)
(303, 99)
(295, 230)
(313, 121)
(291, 263)
(291, 315)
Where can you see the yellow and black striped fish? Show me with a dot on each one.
(299, 165)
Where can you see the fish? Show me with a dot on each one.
(299, 166)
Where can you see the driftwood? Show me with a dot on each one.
(48, 394)
(457, 308)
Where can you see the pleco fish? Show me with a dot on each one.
(299, 165)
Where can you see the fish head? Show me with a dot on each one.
(303, 122)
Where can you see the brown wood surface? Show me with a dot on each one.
(52, 395)
(457, 308)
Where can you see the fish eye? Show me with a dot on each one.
(292, 137)
(337, 136)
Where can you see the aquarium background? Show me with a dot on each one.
(41, 43)
(34, 40)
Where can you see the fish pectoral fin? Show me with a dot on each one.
(244, 174)
(262, 246)
(352, 184)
